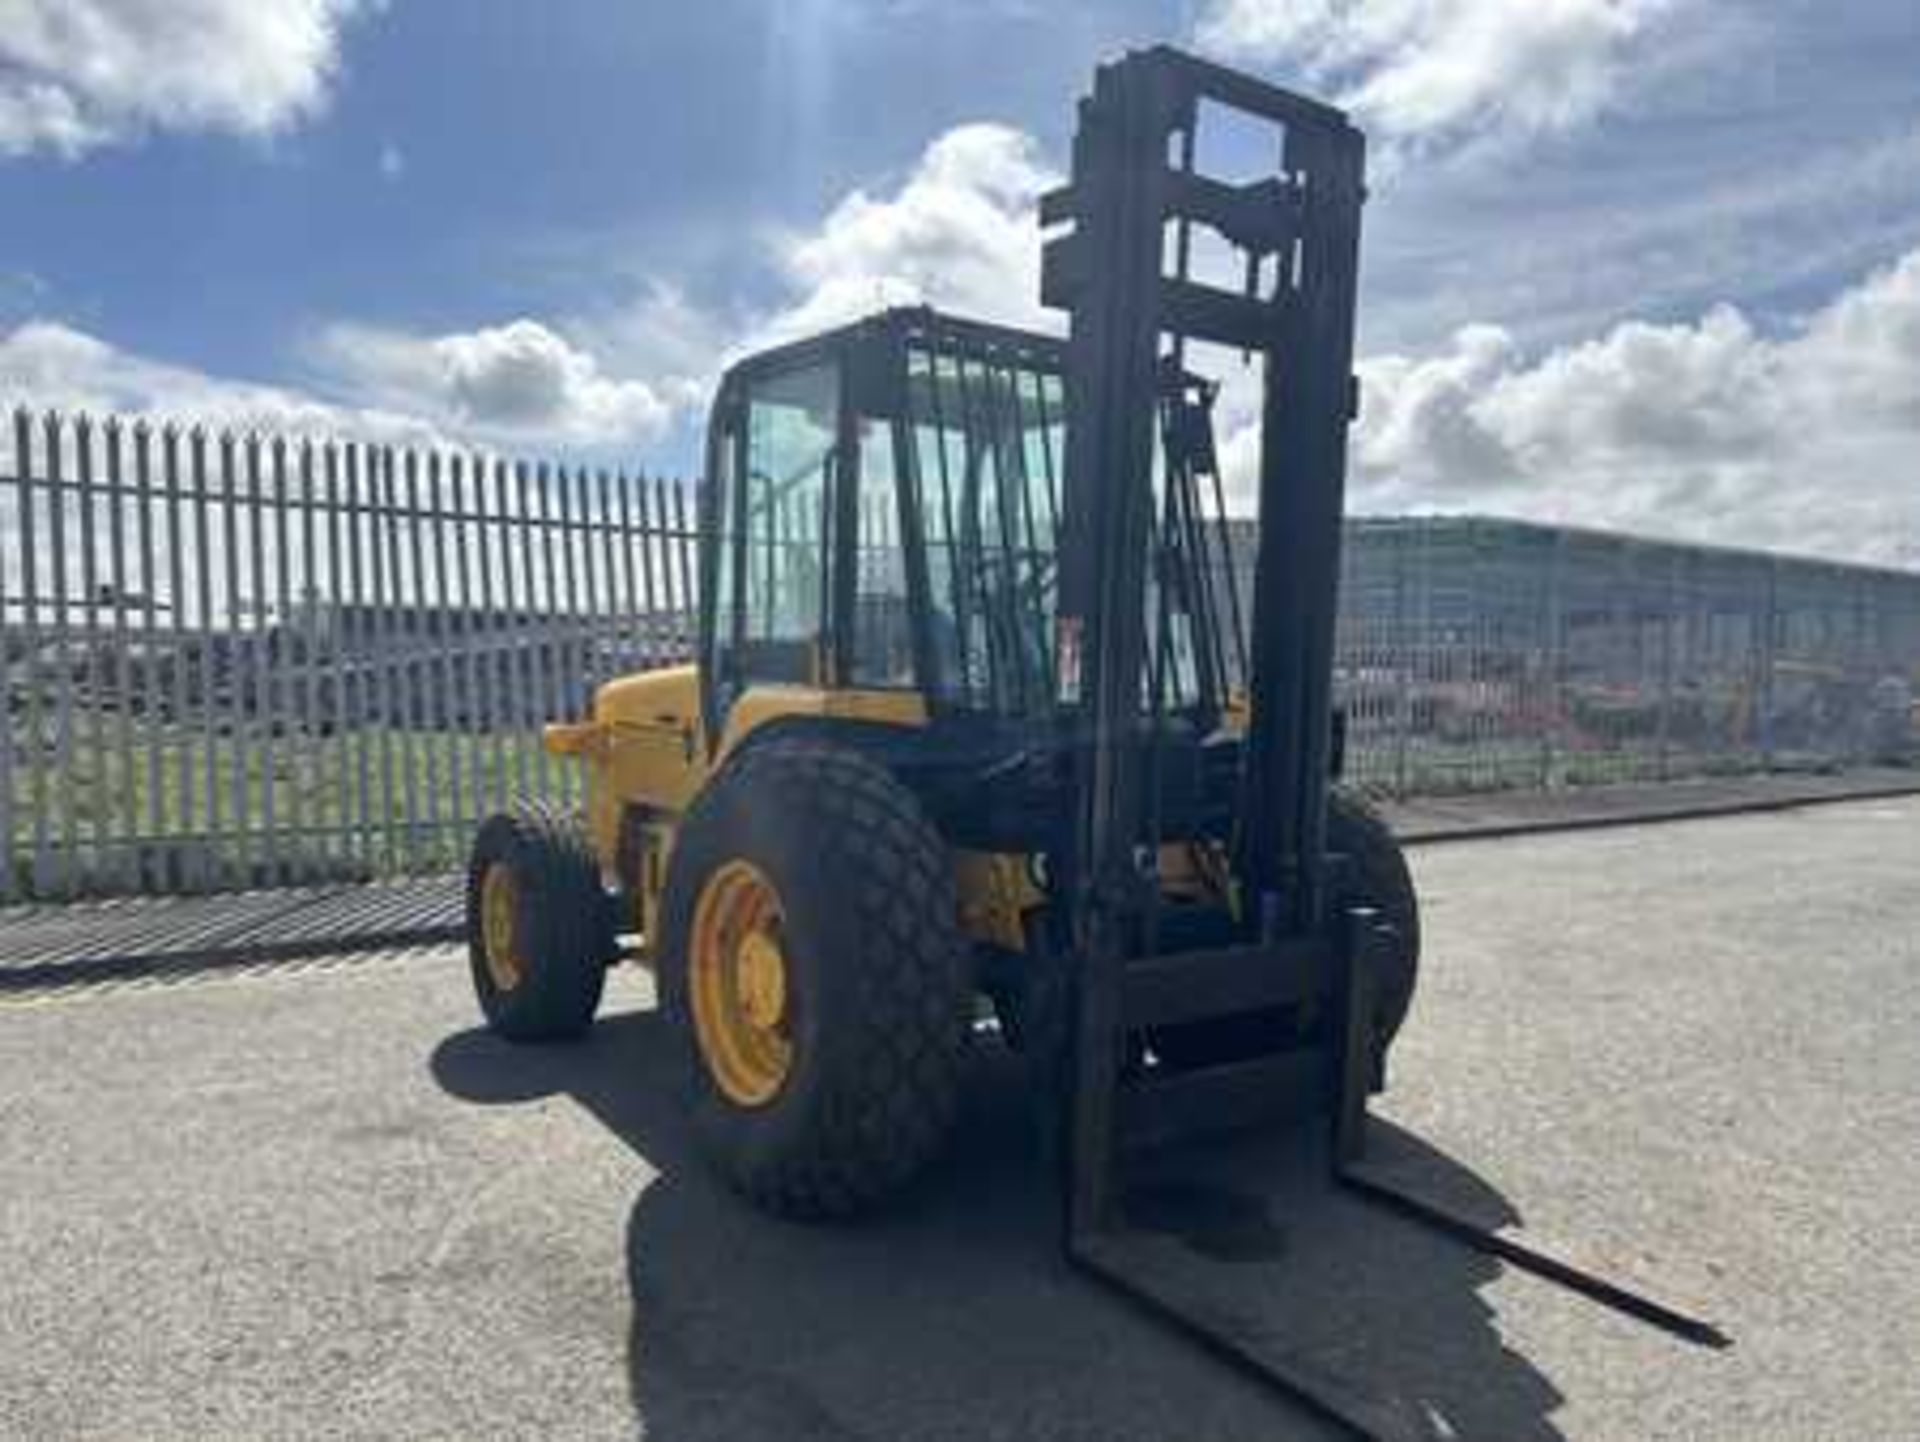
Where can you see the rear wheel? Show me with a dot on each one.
(539, 924)
(1377, 877)
(815, 975)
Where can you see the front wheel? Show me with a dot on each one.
(815, 975)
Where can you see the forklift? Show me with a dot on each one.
(987, 710)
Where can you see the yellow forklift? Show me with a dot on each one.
(984, 705)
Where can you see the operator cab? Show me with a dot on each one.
(885, 516)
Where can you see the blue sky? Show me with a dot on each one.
(1645, 263)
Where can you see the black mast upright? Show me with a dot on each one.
(1309, 402)
(1300, 227)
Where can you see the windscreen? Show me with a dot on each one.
(985, 438)
(984, 431)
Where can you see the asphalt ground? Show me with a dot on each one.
(315, 1201)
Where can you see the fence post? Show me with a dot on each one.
(9, 871)
(125, 865)
(177, 704)
(686, 543)
(303, 642)
(416, 645)
(1556, 699)
(58, 485)
(1402, 665)
(1866, 672)
(149, 870)
(526, 708)
(469, 546)
(650, 560)
(444, 804)
(41, 876)
(346, 630)
(627, 546)
(390, 648)
(491, 645)
(235, 666)
(1769, 627)
(569, 626)
(87, 764)
(206, 860)
(1669, 616)
(260, 715)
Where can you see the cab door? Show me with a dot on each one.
(777, 461)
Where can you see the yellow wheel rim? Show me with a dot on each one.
(499, 932)
(737, 973)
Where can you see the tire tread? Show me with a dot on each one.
(892, 1062)
(567, 929)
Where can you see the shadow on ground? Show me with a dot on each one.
(956, 1318)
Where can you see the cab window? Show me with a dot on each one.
(773, 566)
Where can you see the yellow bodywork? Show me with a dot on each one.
(646, 758)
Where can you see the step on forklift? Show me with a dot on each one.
(986, 704)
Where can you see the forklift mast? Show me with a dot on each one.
(1121, 270)
(1297, 231)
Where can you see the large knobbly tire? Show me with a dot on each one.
(540, 973)
(877, 988)
(1377, 877)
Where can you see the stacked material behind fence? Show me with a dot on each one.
(235, 661)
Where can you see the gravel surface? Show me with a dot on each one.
(316, 1202)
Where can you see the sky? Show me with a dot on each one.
(1642, 264)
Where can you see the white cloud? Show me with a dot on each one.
(520, 381)
(960, 232)
(518, 385)
(44, 363)
(1718, 428)
(1576, 249)
(1712, 430)
(661, 334)
(1430, 71)
(958, 229)
(1715, 430)
(79, 74)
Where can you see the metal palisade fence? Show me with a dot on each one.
(1477, 653)
(241, 660)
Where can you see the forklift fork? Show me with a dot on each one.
(1104, 1247)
